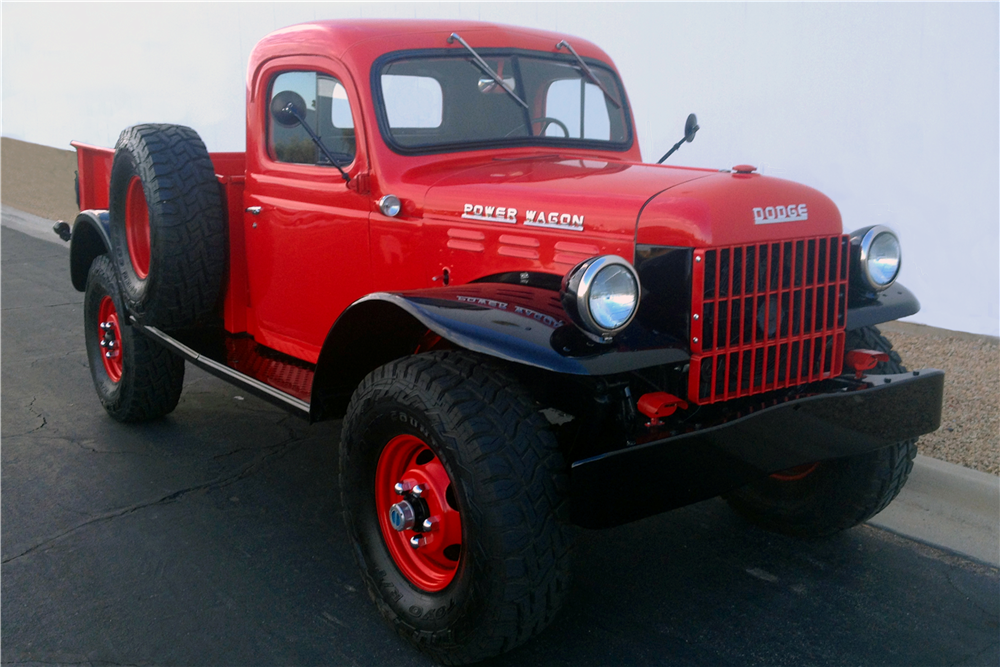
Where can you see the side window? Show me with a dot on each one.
(328, 113)
(577, 103)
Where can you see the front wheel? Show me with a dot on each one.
(821, 499)
(454, 492)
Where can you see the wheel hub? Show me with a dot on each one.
(110, 338)
(421, 527)
(402, 516)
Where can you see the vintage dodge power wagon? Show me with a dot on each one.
(443, 233)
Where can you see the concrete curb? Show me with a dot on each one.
(948, 506)
(30, 224)
(942, 504)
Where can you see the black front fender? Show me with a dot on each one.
(517, 323)
(892, 304)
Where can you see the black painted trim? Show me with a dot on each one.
(90, 238)
(629, 484)
(252, 385)
(892, 304)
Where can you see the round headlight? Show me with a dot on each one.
(880, 257)
(602, 295)
(613, 297)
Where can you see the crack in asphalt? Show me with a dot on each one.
(89, 663)
(273, 452)
(32, 307)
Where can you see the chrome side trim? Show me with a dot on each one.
(223, 371)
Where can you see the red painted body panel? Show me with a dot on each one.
(94, 172)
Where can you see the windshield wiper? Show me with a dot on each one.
(590, 74)
(486, 68)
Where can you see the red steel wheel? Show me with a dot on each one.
(796, 473)
(410, 475)
(137, 227)
(111, 339)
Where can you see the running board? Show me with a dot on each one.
(282, 399)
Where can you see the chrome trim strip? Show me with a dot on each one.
(583, 294)
(866, 245)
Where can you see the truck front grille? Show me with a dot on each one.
(769, 315)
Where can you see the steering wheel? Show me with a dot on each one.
(545, 121)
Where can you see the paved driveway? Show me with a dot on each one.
(214, 537)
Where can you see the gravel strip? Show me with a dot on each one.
(970, 421)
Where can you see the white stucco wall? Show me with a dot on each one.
(893, 110)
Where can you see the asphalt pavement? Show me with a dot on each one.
(214, 537)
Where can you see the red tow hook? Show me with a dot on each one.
(864, 360)
(659, 404)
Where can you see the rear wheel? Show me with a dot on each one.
(168, 233)
(820, 499)
(454, 494)
(135, 378)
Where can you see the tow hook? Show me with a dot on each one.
(659, 404)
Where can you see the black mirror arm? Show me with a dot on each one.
(671, 151)
(290, 108)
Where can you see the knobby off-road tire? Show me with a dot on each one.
(142, 380)
(168, 232)
(508, 486)
(838, 494)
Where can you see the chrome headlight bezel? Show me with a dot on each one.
(863, 240)
(577, 286)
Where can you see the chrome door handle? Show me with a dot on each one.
(254, 210)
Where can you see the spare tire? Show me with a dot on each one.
(168, 232)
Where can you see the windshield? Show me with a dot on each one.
(438, 102)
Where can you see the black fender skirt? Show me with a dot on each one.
(850, 418)
(528, 325)
(90, 238)
(892, 304)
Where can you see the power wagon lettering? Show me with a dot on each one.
(772, 214)
(490, 213)
(573, 223)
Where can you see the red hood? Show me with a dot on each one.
(607, 196)
(735, 208)
(647, 204)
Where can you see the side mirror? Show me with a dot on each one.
(283, 105)
(691, 128)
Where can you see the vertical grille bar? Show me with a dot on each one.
(771, 315)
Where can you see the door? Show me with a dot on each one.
(306, 228)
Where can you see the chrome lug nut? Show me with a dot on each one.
(429, 524)
(417, 491)
(402, 487)
(416, 541)
(106, 325)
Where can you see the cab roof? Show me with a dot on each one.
(358, 42)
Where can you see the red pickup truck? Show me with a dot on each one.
(443, 233)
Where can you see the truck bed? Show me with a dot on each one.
(93, 183)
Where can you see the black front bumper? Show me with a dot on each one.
(845, 420)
